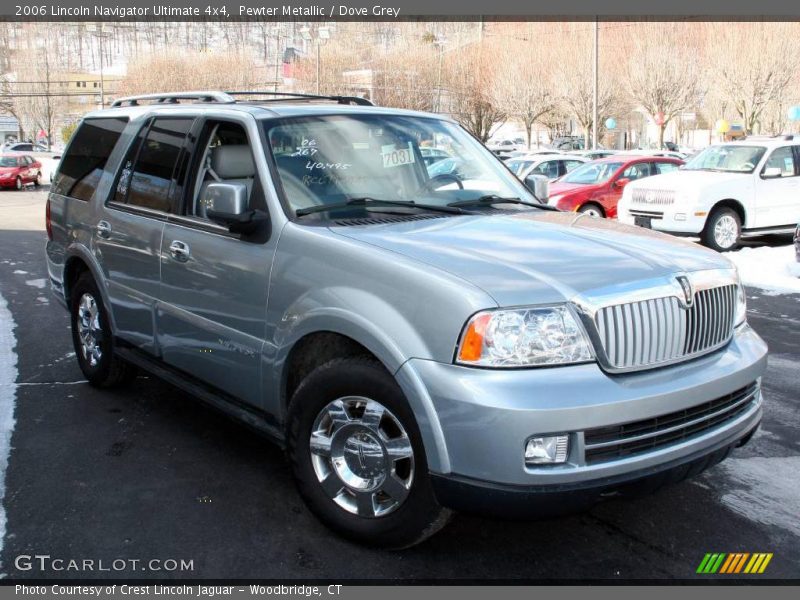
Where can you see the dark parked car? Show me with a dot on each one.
(18, 170)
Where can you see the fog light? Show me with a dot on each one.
(680, 216)
(547, 450)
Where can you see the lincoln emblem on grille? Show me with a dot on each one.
(688, 292)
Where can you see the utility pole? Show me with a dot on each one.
(594, 99)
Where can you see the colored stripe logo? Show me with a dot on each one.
(734, 563)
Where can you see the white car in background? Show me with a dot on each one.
(551, 166)
(726, 192)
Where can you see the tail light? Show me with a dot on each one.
(48, 224)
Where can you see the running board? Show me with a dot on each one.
(230, 406)
(767, 231)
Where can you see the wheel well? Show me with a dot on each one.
(733, 205)
(314, 350)
(74, 268)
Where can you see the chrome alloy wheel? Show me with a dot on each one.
(362, 456)
(726, 231)
(89, 330)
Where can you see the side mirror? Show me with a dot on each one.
(539, 187)
(622, 182)
(226, 205)
(772, 173)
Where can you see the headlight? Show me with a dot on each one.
(741, 306)
(523, 337)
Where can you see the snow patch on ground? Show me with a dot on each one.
(8, 395)
(764, 490)
(20, 272)
(37, 283)
(772, 269)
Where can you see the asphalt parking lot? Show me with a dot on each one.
(148, 473)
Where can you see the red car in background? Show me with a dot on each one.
(596, 187)
(18, 170)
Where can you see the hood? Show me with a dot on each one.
(689, 180)
(560, 188)
(539, 256)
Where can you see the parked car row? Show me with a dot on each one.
(722, 194)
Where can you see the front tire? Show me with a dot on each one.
(38, 181)
(357, 456)
(92, 337)
(591, 209)
(723, 229)
(18, 185)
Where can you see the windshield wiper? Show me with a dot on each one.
(367, 201)
(491, 199)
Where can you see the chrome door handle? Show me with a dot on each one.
(103, 229)
(179, 251)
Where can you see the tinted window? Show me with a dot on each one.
(23, 148)
(83, 164)
(572, 164)
(549, 169)
(149, 183)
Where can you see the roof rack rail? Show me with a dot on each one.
(174, 97)
(278, 96)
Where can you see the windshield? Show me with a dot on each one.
(8, 161)
(332, 159)
(592, 173)
(729, 158)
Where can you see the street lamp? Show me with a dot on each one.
(323, 35)
(439, 42)
(100, 33)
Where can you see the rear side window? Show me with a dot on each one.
(665, 167)
(150, 169)
(86, 157)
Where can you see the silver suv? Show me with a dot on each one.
(418, 343)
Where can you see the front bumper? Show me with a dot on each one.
(484, 417)
(506, 501)
(669, 219)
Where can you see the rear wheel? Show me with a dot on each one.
(357, 455)
(92, 338)
(592, 210)
(722, 230)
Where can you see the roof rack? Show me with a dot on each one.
(228, 98)
(174, 98)
(278, 96)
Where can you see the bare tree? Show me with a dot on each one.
(576, 88)
(663, 75)
(522, 87)
(189, 70)
(467, 79)
(753, 64)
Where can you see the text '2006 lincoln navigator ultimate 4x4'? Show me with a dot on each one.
(418, 343)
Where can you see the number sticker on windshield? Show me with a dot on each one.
(394, 157)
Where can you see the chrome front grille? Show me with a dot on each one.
(653, 197)
(648, 333)
(629, 439)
